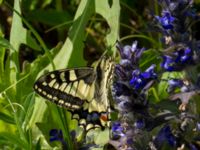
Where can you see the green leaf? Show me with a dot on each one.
(17, 35)
(38, 145)
(6, 44)
(26, 114)
(149, 57)
(112, 16)
(162, 86)
(7, 118)
(49, 17)
(12, 139)
(31, 42)
(73, 46)
(168, 105)
(45, 127)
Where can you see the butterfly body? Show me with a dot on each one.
(83, 91)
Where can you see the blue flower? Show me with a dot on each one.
(176, 16)
(178, 60)
(168, 63)
(165, 136)
(198, 126)
(127, 92)
(139, 124)
(120, 72)
(117, 130)
(140, 79)
(130, 55)
(183, 56)
(174, 83)
(166, 20)
(56, 135)
(192, 147)
(120, 88)
(137, 80)
(127, 51)
(192, 13)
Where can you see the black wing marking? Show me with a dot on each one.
(83, 91)
(68, 88)
(90, 120)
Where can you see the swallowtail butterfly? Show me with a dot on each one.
(83, 91)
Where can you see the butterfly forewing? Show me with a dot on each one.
(67, 88)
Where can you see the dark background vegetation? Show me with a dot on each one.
(33, 40)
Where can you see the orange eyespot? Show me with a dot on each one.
(104, 117)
